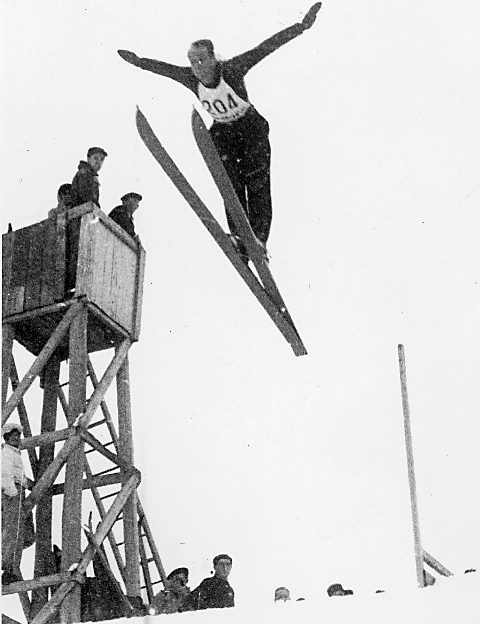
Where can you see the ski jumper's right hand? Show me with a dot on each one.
(128, 56)
(311, 15)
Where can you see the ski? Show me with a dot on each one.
(221, 238)
(235, 209)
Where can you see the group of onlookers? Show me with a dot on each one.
(214, 592)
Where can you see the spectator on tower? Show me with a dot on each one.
(337, 590)
(170, 599)
(85, 182)
(123, 215)
(282, 594)
(65, 200)
(215, 591)
(17, 526)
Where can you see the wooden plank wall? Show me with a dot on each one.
(108, 270)
(32, 276)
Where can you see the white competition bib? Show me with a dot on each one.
(223, 104)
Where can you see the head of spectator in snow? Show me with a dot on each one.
(203, 61)
(222, 564)
(282, 594)
(12, 432)
(95, 158)
(131, 201)
(337, 590)
(178, 579)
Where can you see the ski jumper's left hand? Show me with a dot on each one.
(311, 15)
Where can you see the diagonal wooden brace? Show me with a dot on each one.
(45, 354)
(103, 529)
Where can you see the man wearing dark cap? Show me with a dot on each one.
(337, 590)
(123, 215)
(215, 591)
(85, 188)
(85, 184)
(170, 599)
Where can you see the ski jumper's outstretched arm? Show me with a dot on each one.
(248, 59)
(178, 73)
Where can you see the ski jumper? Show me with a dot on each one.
(239, 132)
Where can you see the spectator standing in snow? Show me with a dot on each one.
(239, 131)
(170, 599)
(337, 590)
(17, 527)
(123, 215)
(282, 594)
(214, 592)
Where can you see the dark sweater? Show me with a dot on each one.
(212, 593)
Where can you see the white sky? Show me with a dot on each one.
(294, 466)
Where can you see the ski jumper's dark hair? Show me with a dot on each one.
(204, 43)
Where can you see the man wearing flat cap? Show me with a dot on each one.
(17, 527)
(123, 215)
(170, 599)
(214, 592)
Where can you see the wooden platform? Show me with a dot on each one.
(108, 275)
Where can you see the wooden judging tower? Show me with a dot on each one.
(72, 285)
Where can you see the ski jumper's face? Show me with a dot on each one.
(223, 569)
(203, 64)
(96, 161)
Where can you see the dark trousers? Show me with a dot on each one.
(244, 148)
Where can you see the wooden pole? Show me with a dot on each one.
(8, 333)
(411, 469)
(72, 502)
(59, 598)
(43, 546)
(125, 450)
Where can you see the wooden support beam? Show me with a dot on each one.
(22, 412)
(41, 360)
(411, 469)
(111, 537)
(91, 482)
(145, 569)
(72, 501)
(155, 554)
(103, 405)
(46, 439)
(109, 375)
(36, 584)
(43, 539)
(46, 480)
(125, 450)
(98, 446)
(8, 334)
(102, 530)
(436, 565)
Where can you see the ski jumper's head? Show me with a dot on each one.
(203, 61)
(95, 158)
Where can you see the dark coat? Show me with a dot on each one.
(212, 593)
(124, 219)
(85, 185)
